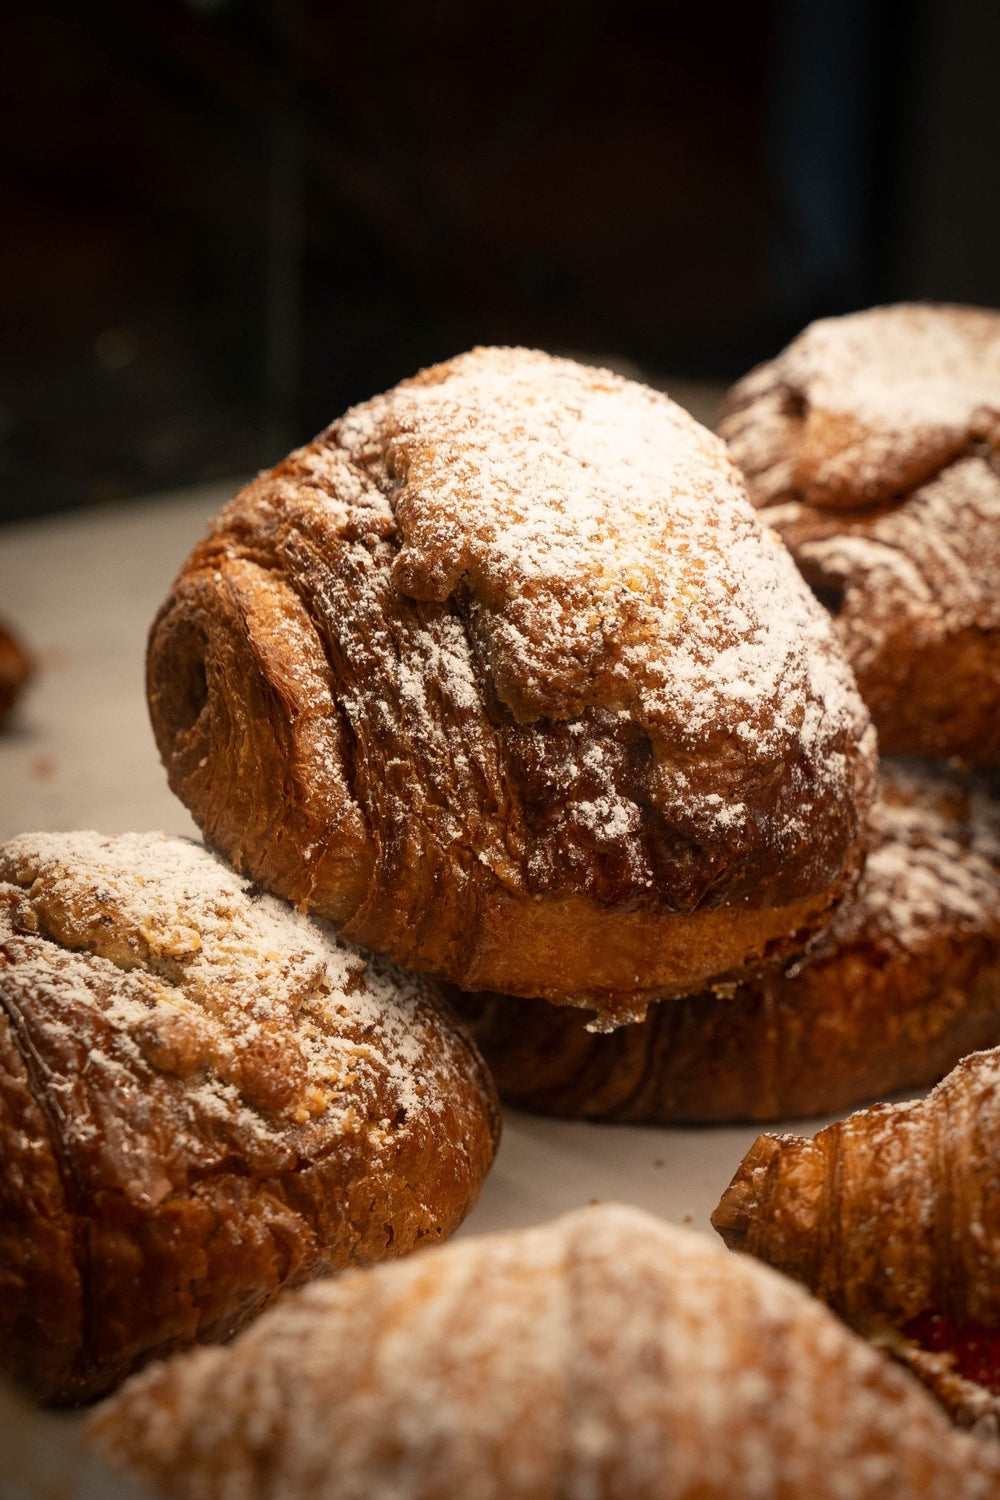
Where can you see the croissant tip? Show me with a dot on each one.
(742, 1199)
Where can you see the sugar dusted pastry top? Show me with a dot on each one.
(604, 1356)
(256, 1005)
(872, 445)
(544, 654)
(912, 576)
(933, 863)
(204, 1097)
(859, 409)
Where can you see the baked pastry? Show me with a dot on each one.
(502, 674)
(903, 982)
(892, 1216)
(15, 670)
(872, 443)
(605, 1355)
(203, 1098)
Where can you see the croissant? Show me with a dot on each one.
(16, 668)
(873, 445)
(903, 982)
(892, 1216)
(605, 1355)
(503, 675)
(203, 1098)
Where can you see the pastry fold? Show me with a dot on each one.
(503, 674)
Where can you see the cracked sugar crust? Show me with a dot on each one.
(203, 1097)
(602, 1356)
(545, 656)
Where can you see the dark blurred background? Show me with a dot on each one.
(225, 220)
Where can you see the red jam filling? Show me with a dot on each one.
(976, 1349)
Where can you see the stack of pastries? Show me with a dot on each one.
(512, 722)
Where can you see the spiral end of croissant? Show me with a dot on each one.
(236, 719)
(741, 1203)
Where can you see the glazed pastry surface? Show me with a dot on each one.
(872, 445)
(203, 1098)
(903, 982)
(604, 1356)
(502, 674)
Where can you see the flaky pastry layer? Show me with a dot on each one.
(872, 446)
(903, 982)
(503, 674)
(203, 1098)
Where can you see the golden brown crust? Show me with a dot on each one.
(891, 1217)
(872, 445)
(903, 983)
(203, 1099)
(501, 674)
(606, 1354)
(16, 669)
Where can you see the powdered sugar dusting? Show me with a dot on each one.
(930, 867)
(593, 522)
(547, 1361)
(203, 977)
(600, 549)
(858, 408)
(902, 365)
(925, 568)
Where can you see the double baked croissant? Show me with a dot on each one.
(203, 1099)
(503, 674)
(605, 1356)
(903, 982)
(873, 444)
(892, 1216)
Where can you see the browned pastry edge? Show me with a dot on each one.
(282, 676)
(969, 1404)
(772, 1049)
(16, 669)
(904, 982)
(891, 1216)
(166, 1165)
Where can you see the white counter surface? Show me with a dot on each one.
(81, 591)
